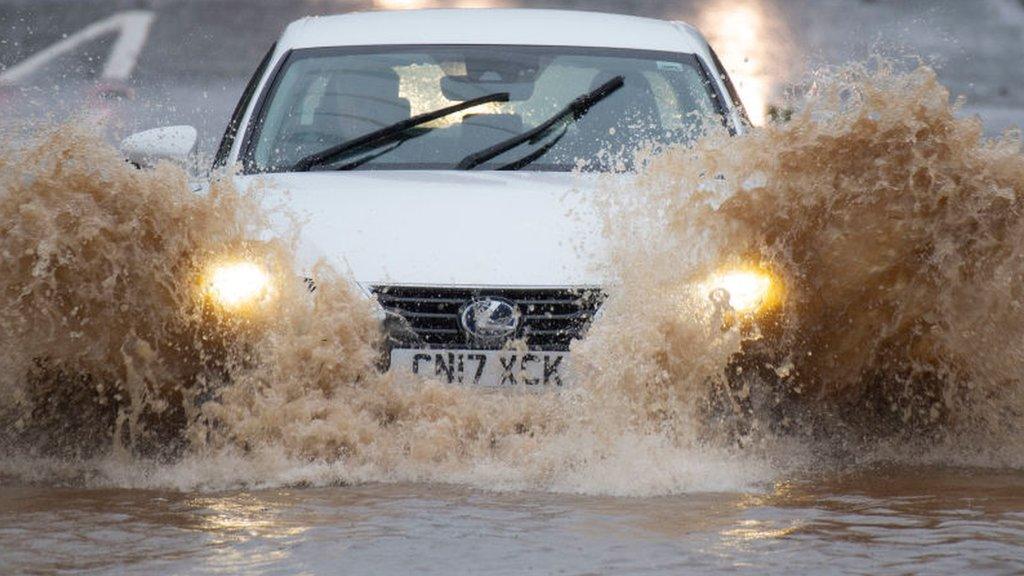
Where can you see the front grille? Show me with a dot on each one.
(550, 318)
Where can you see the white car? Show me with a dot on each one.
(433, 153)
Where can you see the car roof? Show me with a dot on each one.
(493, 26)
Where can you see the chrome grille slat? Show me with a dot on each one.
(412, 299)
(550, 317)
(407, 314)
(573, 316)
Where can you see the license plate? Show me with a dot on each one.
(497, 368)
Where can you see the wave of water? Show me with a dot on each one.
(895, 228)
(893, 224)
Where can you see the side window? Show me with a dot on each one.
(231, 132)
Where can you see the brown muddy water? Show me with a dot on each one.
(870, 421)
(884, 521)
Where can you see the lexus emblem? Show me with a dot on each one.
(490, 318)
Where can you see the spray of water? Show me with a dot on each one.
(895, 229)
(103, 334)
(893, 226)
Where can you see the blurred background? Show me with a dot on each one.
(145, 63)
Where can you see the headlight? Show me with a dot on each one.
(239, 285)
(743, 290)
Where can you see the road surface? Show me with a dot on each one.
(159, 62)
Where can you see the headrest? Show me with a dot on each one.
(377, 82)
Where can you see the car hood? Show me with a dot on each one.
(444, 228)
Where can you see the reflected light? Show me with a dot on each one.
(243, 517)
(738, 34)
(419, 4)
(400, 4)
(749, 530)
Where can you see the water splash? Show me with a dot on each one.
(893, 224)
(896, 228)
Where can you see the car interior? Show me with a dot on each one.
(337, 103)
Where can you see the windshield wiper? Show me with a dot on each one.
(573, 112)
(389, 134)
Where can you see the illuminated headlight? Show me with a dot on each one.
(744, 290)
(239, 285)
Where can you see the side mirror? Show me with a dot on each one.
(172, 143)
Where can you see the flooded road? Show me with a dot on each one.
(884, 521)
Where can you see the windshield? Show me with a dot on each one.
(321, 100)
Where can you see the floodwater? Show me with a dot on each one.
(879, 521)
